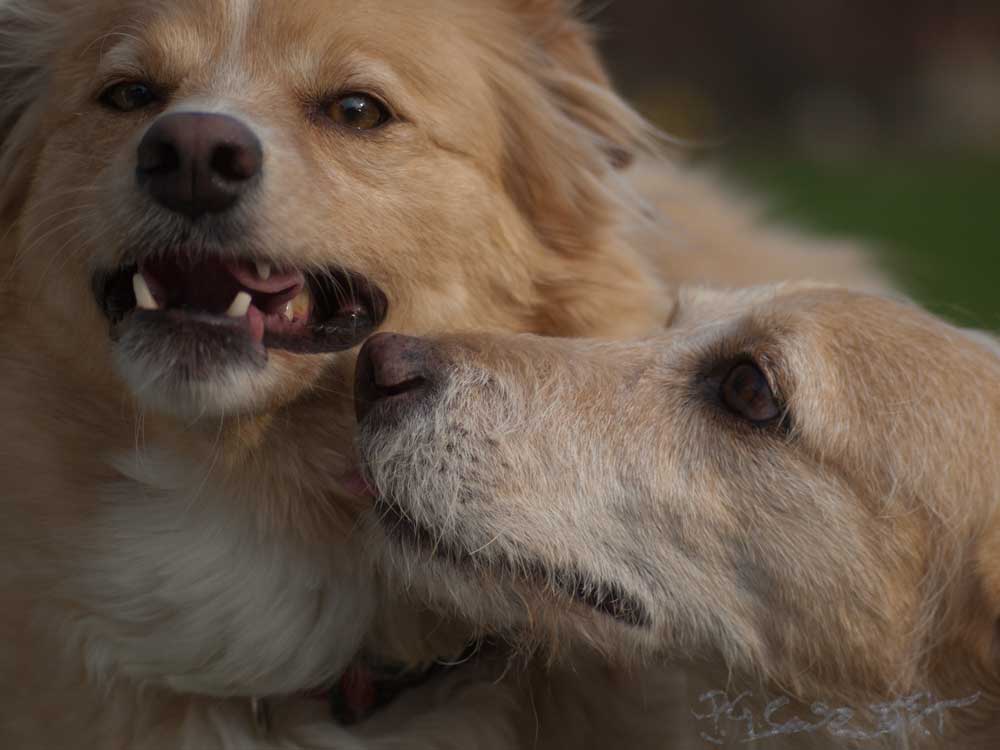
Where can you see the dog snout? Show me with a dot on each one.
(393, 368)
(196, 163)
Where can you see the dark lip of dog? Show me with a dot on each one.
(607, 598)
(237, 307)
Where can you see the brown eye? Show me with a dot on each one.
(746, 392)
(358, 111)
(128, 97)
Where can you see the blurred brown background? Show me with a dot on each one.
(878, 119)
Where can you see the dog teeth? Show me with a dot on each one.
(263, 270)
(144, 299)
(240, 306)
(298, 308)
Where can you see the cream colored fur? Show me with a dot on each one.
(176, 546)
(845, 555)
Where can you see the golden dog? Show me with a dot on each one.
(800, 479)
(205, 205)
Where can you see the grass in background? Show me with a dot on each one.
(935, 220)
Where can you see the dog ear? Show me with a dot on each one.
(556, 24)
(568, 137)
(578, 76)
(29, 33)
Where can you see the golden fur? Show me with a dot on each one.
(845, 553)
(175, 546)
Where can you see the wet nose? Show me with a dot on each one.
(393, 368)
(194, 163)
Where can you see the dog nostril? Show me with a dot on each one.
(158, 157)
(236, 163)
(391, 368)
(388, 390)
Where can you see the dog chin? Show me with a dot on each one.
(177, 384)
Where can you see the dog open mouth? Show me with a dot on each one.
(240, 303)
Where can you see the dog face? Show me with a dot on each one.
(801, 478)
(204, 204)
(247, 187)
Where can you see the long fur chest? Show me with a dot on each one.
(176, 584)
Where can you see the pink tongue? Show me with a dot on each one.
(355, 483)
(246, 275)
(255, 319)
(358, 688)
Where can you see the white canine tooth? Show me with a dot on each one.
(240, 306)
(263, 270)
(289, 313)
(144, 299)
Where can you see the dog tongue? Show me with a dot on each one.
(288, 283)
(355, 483)
(358, 689)
(255, 320)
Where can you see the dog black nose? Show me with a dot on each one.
(392, 368)
(194, 163)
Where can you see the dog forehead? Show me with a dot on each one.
(257, 30)
(403, 50)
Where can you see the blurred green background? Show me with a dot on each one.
(877, 120)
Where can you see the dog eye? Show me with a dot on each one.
(746, 392)
(128, 97)
(358, 112)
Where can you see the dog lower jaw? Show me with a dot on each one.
(159, 382)
(197, 369)
(607, 598)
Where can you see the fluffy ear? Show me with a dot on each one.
(571, 68)
(557, 26)
(568, 135)
(29, 34)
